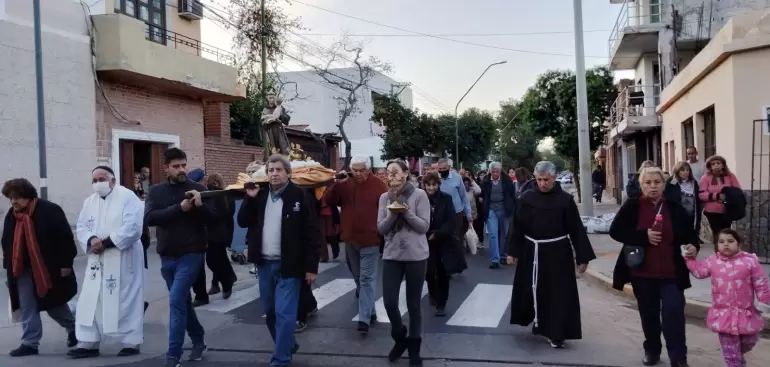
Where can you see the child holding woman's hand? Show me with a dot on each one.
(736, 277)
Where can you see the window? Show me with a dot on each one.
(709, 131)
(655, 11)
(688, 134)
(151, 12)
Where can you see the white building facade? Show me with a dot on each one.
(656, 39)
(316, 105)
(68, 82)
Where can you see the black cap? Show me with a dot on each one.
(108, 169)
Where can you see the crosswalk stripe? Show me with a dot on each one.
(478, 311)
(247, 295)
(379, 306)
(329, 292)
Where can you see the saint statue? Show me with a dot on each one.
(273, 118)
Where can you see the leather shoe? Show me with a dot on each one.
(650, 360)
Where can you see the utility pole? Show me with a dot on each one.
(584, 145)
(40, 102)
(263, 41)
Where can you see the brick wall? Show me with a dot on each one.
(157, 113)
(229, 157)
(216, 119)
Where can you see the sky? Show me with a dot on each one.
(441, 71)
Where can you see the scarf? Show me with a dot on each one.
(401, 195)
(24, 235)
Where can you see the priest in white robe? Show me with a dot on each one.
(111, 302)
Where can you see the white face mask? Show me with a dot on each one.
(102, 188)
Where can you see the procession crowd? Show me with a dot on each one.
(415, 227)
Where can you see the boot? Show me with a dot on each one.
(400, 347)
(413, 344)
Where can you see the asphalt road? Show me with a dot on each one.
(475, 331)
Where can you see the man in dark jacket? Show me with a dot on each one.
(283, 237)
(180, 216)
(38, 251)
(499, 200)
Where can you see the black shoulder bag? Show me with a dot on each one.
(635, 254)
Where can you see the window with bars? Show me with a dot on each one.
(151, 12)
(709, 131)
(688, 133)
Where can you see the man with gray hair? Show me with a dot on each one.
(452, 184)
(545, 232)
(283, 237)
(499, 195)
(359, 200)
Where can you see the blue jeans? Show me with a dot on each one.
(497, 225)
(180, 274)
(363, 265)
(280, 298)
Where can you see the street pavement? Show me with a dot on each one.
(475, 331)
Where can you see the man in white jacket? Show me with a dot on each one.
(111, 301)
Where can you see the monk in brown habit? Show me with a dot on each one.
(544, 231)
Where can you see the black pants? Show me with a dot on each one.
(199, 287)
(393, 272)
(221, 268)
(717, 222)
(437, 278)
(478, 226)
(307, 301)
(656, 299)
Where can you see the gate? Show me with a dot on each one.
(758, 201)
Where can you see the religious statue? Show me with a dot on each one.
(395, 187)
(273, 118)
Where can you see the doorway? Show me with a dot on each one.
(136, 154)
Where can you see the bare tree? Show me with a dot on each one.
(351, 81)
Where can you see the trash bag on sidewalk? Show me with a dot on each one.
(600, 224)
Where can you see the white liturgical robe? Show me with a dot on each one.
(111, 301)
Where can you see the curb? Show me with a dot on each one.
(693, 308)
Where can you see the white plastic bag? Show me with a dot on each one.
(472, 240)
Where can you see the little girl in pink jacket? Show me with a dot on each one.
(736, 277)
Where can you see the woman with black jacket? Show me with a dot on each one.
(444, 258)
(219, 238)
(682, 188)
(653, 230)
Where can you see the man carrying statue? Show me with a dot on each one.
(274, 116)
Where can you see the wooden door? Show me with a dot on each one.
(156, 162)
(127, 163)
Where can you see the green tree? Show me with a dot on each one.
(516, 145)
(550, 108)
(408, 133)
(476, 131)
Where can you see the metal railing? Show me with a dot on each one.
(635, 100)
(634, 14)
(188, 44)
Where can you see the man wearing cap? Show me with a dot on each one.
(111, 302)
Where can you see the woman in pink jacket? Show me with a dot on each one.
(717, 176)
(736, 277)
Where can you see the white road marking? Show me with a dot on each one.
(379, 306)
(479, 310)
(333, 290)
(250, 294)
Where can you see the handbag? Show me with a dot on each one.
(635, 254)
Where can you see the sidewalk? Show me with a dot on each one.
(698, 297)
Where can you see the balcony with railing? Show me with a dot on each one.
(636, 30)
(134, 52)
(634, 110)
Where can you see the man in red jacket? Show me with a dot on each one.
(358, 199)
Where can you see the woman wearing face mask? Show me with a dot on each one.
(682, 188)
(404, 219)
(712, 185)
(652, 229)
(440, 241)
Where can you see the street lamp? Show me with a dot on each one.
(456, 158)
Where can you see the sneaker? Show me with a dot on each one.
(23, 351)
(196, 354)
(301, 326)
(363, 328)
(172, 362)
(557, 344)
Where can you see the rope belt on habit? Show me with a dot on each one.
(536, 266)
